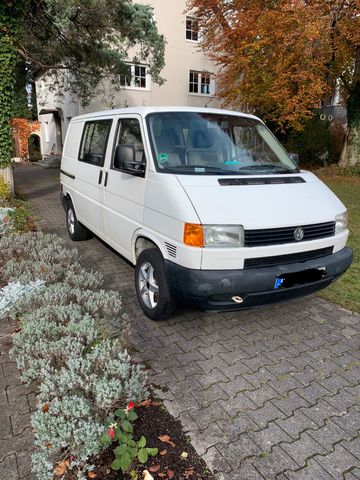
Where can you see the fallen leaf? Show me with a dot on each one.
(154, 468)
(189, 472)
(45, 408)
(92, 475)
(147, 475)
(170, 474)
(61, 468)
(167, 439)
(184, 455)
(163, 452)
(150, 403)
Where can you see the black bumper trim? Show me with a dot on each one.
(214, 289)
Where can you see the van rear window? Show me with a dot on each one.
(94, 141)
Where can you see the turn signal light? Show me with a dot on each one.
(193, 235)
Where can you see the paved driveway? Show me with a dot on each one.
(264, 394)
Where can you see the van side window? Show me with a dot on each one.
(129, 133)
(94, 141)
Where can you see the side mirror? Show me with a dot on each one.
(295, 158)
(125, 160)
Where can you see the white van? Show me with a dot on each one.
(205, 203)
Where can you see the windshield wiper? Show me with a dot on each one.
(269, 166)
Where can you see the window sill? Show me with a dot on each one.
(139, 89)
(192, 41)
(207, 95)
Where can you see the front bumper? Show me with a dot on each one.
(214, 289)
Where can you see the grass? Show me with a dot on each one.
(346, 291)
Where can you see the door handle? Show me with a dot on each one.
(100, 177)
(106, 179)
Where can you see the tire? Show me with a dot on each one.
(77, 232)
(152, 286)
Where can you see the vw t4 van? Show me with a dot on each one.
(205, 203)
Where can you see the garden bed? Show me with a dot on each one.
(176, 459)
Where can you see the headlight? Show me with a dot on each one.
(223, 235)
(196, 235)
(341, 222)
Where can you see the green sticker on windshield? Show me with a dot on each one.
(163, 157)
(232, 162)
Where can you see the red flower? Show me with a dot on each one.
(130, 406)
(111, 433)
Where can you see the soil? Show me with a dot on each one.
(172, 463)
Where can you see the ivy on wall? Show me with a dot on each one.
(11, 19)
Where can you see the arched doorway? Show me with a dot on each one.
(34, 147)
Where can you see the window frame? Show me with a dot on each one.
(132, 85)
(83, 138)
(119, 120)
(199, 83)
(192, 31)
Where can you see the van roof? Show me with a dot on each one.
(143, 111)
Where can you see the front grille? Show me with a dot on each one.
(286, 259)
(276, 236)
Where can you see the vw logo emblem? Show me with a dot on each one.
(298, 234)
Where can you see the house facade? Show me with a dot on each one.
(190, 79)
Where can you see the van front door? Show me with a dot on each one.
(124, 193)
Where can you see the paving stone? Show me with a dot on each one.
(8, 468)
(262, 395)
(247, 471)
(267, 438)
(295, 424)
(276, 462)
(303, 448)
(290, 403)
(235, 453)
(269, 412)
(24, 462)
(338, 461)
(216, 462)
(235, 426)
(312, 471)
(329, 435)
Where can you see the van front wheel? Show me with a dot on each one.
(76, 230)
(152, 286)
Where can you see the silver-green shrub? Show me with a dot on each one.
(68, 425)
(82, 376)
(50, 336)
(37, 256)
(15, 293)
(105, 375)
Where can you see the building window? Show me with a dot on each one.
(201, 83)
(136, 76)
(192, 29)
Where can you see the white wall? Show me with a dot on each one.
(181, 56)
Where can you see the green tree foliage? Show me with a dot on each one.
(79, 43)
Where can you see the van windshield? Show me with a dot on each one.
(214, 144)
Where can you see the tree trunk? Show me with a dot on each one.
(351, 151)
(350, 154)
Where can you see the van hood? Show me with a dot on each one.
(265, 205)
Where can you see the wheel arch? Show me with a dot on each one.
(144, 240)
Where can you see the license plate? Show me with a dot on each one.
(287, 280)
